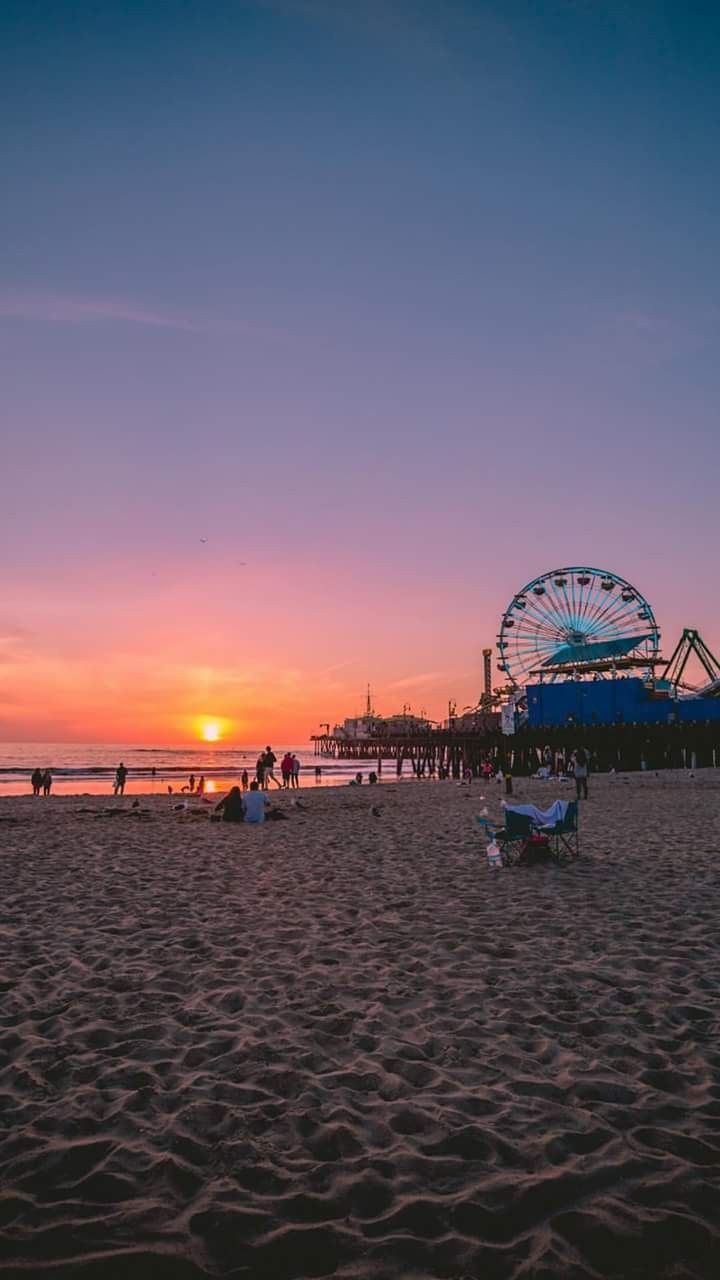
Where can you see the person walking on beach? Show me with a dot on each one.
(295, 775)
(36, 779)
(120, 779)
(244, 779)
(201, 786)
(260, 768)
(46, 782)
(269, 761)
(581, 763)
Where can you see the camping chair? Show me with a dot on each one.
(564, 836)
(511, 838)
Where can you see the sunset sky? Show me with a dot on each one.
(325, 325)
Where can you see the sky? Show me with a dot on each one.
(326, 325)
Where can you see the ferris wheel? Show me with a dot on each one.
(574, 622)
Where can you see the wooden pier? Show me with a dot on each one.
(445, 753)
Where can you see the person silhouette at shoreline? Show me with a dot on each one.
(268, 776)
(120, 779)
(46, 782)
(36, 779)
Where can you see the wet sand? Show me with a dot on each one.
(339, 1046)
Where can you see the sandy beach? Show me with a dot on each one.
(339, 1046)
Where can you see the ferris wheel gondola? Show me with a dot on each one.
(576, 622)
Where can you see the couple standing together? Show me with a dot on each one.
(289, 768)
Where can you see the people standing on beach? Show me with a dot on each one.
(201, 786)
(244, 779)
(190, 784)
(581, 763)
(286, 769)
(318, 773)
(295, 777)
(120, 779)
(269, 761)
(46, 782)
(260, 768)
(36, 779)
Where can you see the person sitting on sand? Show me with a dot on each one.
(36, 779)
(46, 782)
(231, 806)
(120, 779)
(254, 804)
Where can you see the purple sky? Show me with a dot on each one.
(399, 302)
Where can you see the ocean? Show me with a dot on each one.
(89, 769)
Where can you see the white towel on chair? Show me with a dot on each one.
(541, 817)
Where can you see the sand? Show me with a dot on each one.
(338, 1045)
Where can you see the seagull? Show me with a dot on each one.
(376, 810)
(203, 539)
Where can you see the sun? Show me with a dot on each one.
(210, 731)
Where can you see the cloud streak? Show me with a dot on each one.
(59, 308)
(423, 678)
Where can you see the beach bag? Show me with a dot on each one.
(535, 852)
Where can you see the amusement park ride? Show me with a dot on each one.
(582, 624)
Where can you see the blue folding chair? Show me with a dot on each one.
(564, 836)
(512, 837)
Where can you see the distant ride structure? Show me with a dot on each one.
(575, 623)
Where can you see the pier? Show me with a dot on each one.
(442, 752)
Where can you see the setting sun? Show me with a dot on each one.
(210, 731)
